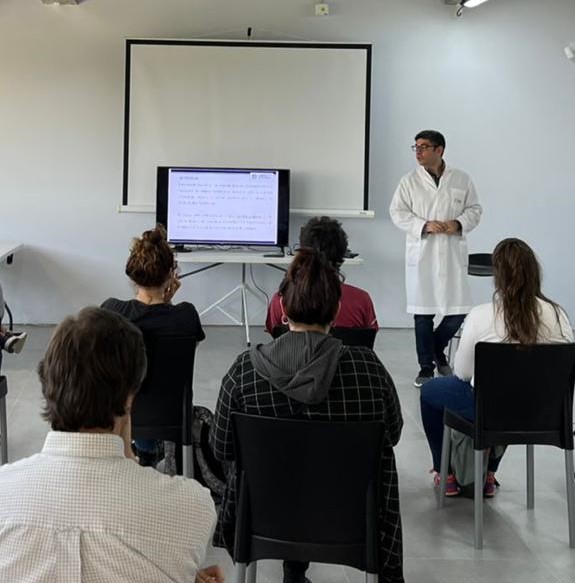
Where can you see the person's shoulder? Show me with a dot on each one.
(354, 291)
(410, 176)
(115, 304)
(242, 363)
(481, 314)
(191, 500)
(358, 354)
(457, 173)
(183, 307)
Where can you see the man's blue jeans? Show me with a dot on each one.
(443, 393)
(430, 344)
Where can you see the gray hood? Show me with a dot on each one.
(299, 364)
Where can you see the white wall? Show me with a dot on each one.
(495, 82)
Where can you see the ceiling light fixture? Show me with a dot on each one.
(462, 4)
(73, 2)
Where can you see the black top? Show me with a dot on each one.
(166, 319)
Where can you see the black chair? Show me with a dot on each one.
(479, 265)
(349, 336)
(3, 421)
(355, 336)
(163, 408)
(523, 395)
(307, 491)
(278, 331)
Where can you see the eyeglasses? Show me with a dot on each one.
(422, 148)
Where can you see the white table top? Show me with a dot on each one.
(234, 256)
(8, 248)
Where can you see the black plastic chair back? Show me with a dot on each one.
(307, 490)
(524, 394)
(355, 336)
(349, 336)
(480, 264)
(163, 407)
(277, 331)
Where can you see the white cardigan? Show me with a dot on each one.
(484, 324)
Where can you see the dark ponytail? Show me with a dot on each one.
(311, 289)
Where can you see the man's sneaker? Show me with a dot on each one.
(443, 367)
(15, 342)
(490, 486)
(452, 487)
(424, 375)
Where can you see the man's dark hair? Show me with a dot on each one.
(311, 289)
(434, 137)
(94, 361)
(326, 236)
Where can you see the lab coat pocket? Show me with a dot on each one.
(412, 252)
(457, 202)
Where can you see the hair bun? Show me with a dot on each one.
(155, 236)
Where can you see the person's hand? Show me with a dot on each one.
(452, 227)
(433, 227)
(211, 574)
(2, 330)
(170, 291)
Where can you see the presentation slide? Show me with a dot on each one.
(207, 206)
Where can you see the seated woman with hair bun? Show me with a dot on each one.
(151, 266)
(308, 374)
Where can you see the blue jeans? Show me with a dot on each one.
(430, 344)
(147, 445)
(443, 393)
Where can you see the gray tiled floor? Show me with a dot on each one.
(520, 545)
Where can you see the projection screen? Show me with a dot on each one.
(301, 106)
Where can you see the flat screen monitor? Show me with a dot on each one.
(224, 206)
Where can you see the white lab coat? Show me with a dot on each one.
(436, 264)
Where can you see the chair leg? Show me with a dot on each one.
(3, 433)
(478, 498)
(188, 461)
(240, 573)
(530, 478)
(570, 495)
(252, 572)
(445, 453)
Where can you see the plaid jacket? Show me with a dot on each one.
(361, 389)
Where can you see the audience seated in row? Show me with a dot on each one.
(152, 268)
(327, 236)
(519, 313)
(83, 509)
(308, 374)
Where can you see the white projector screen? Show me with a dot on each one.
(234, 104)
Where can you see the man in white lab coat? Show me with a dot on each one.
(436, 206)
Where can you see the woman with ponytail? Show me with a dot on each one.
(519, 313)
(152, 267)
(308, 374)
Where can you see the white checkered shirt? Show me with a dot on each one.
(80, 511)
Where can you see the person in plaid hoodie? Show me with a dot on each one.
(308, 374)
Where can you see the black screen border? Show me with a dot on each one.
(283, 210)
